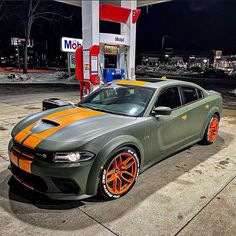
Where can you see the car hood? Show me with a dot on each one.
(71, 124)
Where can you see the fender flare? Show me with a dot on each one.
(211, 112)
(107, 151)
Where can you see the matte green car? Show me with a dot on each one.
(102, 144)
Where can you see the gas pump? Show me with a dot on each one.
(112, 70)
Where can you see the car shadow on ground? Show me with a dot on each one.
(23, 203)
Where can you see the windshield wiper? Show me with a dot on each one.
(102, 110)
(96, 108)
(90, 107)
(80, 105)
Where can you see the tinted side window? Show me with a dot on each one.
(169, 98)
(189, 94)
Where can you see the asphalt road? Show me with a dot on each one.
(190, 193)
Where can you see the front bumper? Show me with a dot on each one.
(56, 180)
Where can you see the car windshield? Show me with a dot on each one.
(119, 99)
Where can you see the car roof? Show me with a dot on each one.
(159, 83)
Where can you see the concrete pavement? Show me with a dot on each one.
(190, 193)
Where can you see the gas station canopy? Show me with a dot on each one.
(141, 3)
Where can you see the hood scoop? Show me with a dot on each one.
(44, 125)
(50, 122)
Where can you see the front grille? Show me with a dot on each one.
(30, 153)
(29, 180)
(22, 153)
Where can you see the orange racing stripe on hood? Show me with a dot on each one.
(25, 132)
(34, 139)
(25, 163)
(64, 113)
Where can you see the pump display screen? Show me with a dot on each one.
(111, 50)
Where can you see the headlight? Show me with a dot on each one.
(72, 156)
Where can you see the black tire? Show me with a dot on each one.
(103, 186)
(206, 139)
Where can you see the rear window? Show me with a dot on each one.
(189, 94)
(200, 93)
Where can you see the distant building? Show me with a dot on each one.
(176, 61)
(150, 61)
(225, 62)
(201, 62)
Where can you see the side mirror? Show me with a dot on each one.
(164, 111)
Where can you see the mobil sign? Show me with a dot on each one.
(70, 44)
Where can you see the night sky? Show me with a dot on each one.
(190, 25)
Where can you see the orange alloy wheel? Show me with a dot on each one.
(213, 129)
(121, 173)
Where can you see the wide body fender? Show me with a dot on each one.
(107, 152)
(211, 112)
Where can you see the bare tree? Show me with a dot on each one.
(33, 5)
(26, 12)
(34, 13)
